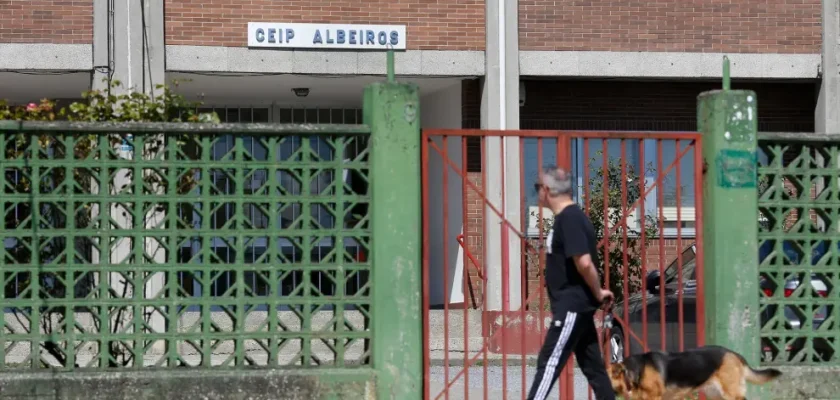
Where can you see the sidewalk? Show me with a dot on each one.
(443, 349)
(456, 348)
(498, 383)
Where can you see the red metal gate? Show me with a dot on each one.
(485, 307)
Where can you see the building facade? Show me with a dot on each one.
(493, 64)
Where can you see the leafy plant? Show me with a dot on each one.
(621, 192)
(96, 106)
(43, 111)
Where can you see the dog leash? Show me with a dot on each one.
(606, 330)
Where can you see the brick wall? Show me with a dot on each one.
(42, 21)
(445, 25)
(750, 26)
(474, 238)
(792, 215)
(474, 231)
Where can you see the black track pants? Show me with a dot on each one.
(571, 332)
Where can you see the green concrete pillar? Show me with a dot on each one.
(728, 121)
(392, 110)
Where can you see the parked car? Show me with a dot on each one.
(652, 302)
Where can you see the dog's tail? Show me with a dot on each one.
(760, 376)
(757, 376)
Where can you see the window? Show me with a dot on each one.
(319, 115)
(239, 114)
(688, 266)
(642, 161)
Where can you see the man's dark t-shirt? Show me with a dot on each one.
(572, 235)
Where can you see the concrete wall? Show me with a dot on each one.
(357, 383)
(805, 383)
(442, 109)
(220, 59)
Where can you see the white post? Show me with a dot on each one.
(827, 115)
(442, 109)
(500, 110)
(827, 118)
(133, 31)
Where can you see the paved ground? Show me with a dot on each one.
(515, 387)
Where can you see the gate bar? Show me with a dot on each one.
(535, 133)
(567, 375)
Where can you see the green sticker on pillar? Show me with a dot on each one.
(736, 168)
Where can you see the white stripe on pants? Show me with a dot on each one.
(551, 365)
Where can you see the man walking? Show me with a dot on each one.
(574, 290)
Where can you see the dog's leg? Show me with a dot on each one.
(714, 389)
(652, 390)
(652, 384)
(650, 396)
(741, 391)
(713, 396)
(733, 398)
(732, 388)
(678, 394)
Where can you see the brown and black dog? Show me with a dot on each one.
(719, 372)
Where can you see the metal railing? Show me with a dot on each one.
(164, 245)
(479, 253)
(799, 247)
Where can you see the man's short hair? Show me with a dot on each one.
(557, 181)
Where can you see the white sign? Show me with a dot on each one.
(326, 36)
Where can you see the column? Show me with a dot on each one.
(392, 110)
(129, 39)
(128, 45)
(728, 120)
(827, 118)
(500, 111)
(827, 113)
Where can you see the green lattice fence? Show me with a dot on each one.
(799, 242)
(167, 245)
